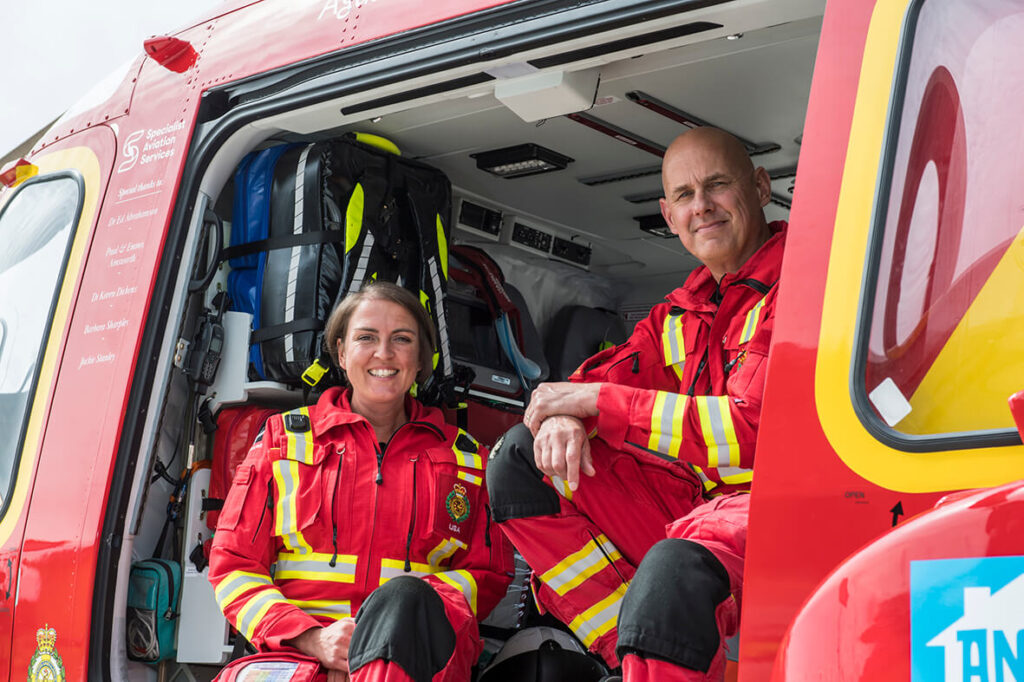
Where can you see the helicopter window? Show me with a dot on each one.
(940, 338)
(36, 227)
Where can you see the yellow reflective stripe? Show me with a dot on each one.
(442, 246)
(462, 581)
(286, 524)
(750, 324)
(673, 345)
(470, 478)
(735, 475)
(571, 571)
(667, 423)
(561, 487)
(444, 550)
(392, 568)
(300, 444)
(354, 217)
(252, 613)
(719, 433)
(316, 566)
(237, 582)
(467, 459)
(325, 608)
(708, 483)
(599, 618)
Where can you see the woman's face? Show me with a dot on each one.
(380, 353)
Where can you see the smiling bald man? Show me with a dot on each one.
(642, 556)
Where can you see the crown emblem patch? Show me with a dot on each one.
(457, 503)
(46, 665)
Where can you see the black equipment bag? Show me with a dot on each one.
(315, 221)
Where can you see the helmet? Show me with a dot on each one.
(543, 654)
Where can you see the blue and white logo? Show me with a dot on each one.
(967, 620)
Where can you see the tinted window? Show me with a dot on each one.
(36, 227)
(943, 346)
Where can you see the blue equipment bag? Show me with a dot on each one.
(154, 588)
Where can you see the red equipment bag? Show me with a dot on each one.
(273, 666)
(237, 428)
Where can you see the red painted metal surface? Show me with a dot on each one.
(800, 484)
(803, 493)
(862, 611)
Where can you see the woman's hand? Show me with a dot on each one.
(329, 645)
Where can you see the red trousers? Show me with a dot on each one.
(585, 556)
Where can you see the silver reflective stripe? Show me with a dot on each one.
(252, 613)
(583, 565)
(362, 263)
(237, 583)
(389, 572)
(729, 472)
(296, 253)
(464, 581)
(722, 442)
(589, 626)
(287, 524)
(316, 567)
(322, 607)
(674, 336)
(666, 425)
(297, 440)
(444, 550)
(442, 322)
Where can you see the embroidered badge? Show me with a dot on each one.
(457, 503)
(46, 665)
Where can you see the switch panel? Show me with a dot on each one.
(531, 237)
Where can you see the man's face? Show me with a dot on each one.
(713, 202)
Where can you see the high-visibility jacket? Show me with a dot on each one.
(687, 385)
(320, 514)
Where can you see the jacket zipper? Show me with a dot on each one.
(380, 453)
(412, 520)
(334, 510)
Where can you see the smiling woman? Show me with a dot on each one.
(383, 341)
(425, 547)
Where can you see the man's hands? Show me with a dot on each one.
(329, 645)
(560, 446)
(575, 400)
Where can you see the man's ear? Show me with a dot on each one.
(763, 182)
(666, 214)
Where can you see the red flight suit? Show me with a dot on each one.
(317, 490)
(678, 416)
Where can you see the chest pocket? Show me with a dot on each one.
(742, 332)
(455, 499)
(297, 482)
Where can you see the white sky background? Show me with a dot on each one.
(54, 52)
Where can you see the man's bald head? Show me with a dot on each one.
(723, 144)
(714, 198)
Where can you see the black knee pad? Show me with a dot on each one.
(403, 621)
(669, 609)
(514, 483)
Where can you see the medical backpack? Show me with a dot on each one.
(312, 222)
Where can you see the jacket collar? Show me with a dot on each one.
(334, 408)
(763, 267)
